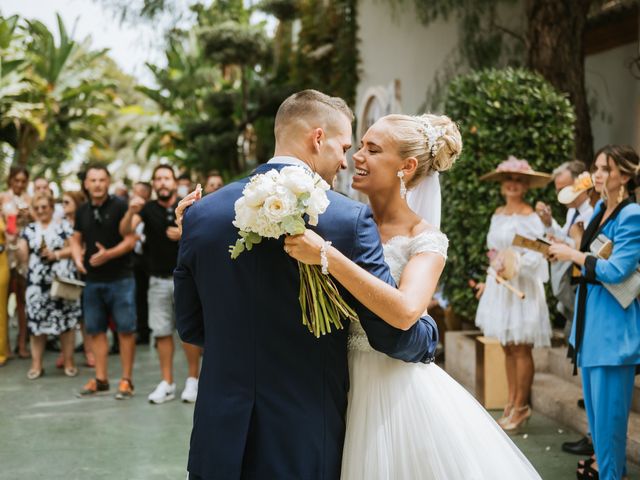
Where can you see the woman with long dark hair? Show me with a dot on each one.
(17, 215)
(606, 333)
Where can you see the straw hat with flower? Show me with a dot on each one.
(515, 166)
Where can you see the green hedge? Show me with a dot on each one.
(500, 113)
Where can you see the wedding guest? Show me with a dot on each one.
(71, 202)
(605, 335)
(103, 256)
(569, 179)
(41, 186)
(579, 212)
(44, 244)
(15, 208)
(184, 185)
(519, 324)
(161, 244)
(5, 237)
(121, 191)
(141, 271)
(214, 182)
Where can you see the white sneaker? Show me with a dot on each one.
(190, 392)
(163, 393)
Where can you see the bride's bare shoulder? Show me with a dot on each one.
(423, 227)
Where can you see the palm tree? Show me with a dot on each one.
(68, 80)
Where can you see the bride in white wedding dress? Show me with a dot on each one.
(408, 421)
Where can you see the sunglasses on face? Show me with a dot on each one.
(171, 215)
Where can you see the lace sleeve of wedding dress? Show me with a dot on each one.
(430, 241)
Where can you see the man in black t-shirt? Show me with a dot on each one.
(161, 248)
(103, 255)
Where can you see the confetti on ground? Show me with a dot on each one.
(548, 449)
(525, 436)
(560, 431)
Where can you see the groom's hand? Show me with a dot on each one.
(305, 247)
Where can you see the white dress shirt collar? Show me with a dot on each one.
(287, 160)
(585, 207)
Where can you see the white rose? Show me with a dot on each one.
(317, 205)
(280, 205)
(296, 179)
(257, 191)
(267, 228)
(246, 215)
(320, 182)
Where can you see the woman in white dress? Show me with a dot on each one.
(408, 421)
(519, 324)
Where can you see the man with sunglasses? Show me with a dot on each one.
(161, 248)
(110, 287)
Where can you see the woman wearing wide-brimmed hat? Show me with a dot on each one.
(519, 323)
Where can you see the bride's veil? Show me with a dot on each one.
(425, 199)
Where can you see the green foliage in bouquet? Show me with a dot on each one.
(500, 113)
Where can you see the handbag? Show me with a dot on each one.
(66, 288)
(626, 291)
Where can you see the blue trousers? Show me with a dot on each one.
(607, 400)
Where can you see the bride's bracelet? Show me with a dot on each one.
(324, 261)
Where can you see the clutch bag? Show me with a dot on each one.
(626, 291)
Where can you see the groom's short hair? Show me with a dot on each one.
(309, 105)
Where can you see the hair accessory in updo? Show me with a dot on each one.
(431, 134)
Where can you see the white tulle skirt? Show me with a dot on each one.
(414, 422)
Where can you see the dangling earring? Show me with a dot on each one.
(403, 187)
(621, 194)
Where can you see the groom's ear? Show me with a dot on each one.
(318, 138)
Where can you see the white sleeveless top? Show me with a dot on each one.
(397, 253)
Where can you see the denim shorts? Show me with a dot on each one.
(115, 299)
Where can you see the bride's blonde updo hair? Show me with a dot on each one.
(434, 140)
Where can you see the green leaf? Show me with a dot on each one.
(294, 225)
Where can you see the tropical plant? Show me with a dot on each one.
(52, 94)
(225, 77)
(500, 113)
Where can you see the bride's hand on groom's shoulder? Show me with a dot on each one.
(185, 203)
(305, 247)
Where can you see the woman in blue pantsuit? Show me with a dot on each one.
(606, 336)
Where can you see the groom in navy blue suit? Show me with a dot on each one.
(272, 398)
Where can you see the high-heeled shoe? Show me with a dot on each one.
(34, 374)
(588, 473)
(587, 462)
(506, 414)
(513, 425)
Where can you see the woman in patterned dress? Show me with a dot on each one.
(45, 245)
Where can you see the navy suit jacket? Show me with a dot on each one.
(272, 398)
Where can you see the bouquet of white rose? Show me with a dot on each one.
(274, 204)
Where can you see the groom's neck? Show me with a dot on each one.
(291, 152)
